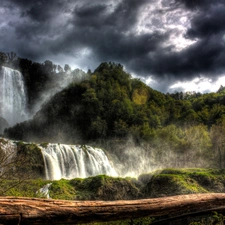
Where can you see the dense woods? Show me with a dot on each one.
(108, 104)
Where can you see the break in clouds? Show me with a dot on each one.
(161, 41)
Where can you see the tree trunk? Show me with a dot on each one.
(48, 211)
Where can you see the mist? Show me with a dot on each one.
(58, 82)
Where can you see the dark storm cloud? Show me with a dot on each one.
(208, 54)
(108, 32)
(137, 33)
(199, 4)
(205, 57)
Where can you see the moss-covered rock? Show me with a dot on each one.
(93, 188)
(33, 156)
(170, 182)
(103, 187)
(157, 184)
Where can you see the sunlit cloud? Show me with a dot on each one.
(201, 85)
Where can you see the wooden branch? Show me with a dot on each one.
(48, 211)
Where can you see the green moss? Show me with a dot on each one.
(172, 184)
(34, 157)
(183, 181)
(165, 182)
(93, 188)
(27, 188)
(160, 183)
(62, 189)
(188, 171)
(103, 187)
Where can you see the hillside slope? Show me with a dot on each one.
(110, 108)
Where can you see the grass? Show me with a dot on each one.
(165, 182)
(159, 183)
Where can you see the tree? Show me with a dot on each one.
(48, 65)
(217, 133)
(98, 128)
(60, 69)
(14, 166)
(200, 145)
(11, 56)
(3, 58)
(67, 68)
(120, 128)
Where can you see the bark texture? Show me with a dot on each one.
(42, 211)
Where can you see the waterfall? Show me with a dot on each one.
(71, 161)
(13, 100)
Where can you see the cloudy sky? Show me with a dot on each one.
(172, 45)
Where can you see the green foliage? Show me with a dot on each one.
(108, 105)
(62, 190)
(160, 183)
(214, 219)
(139, 221)
(183, 181)
(103, 187)
(218, 218)
(99, 187)
(33, 154)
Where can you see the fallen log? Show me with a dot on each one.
(36, 211)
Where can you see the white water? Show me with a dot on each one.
(13, 100)
(72, 161)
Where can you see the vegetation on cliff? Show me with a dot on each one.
(110, 105)
(159, 183)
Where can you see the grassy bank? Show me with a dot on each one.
(159, 183)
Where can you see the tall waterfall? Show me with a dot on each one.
(71, 161)
(13, 100)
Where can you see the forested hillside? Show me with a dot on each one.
(111, 105)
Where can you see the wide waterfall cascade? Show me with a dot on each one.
(13, 99)
(72, 161)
